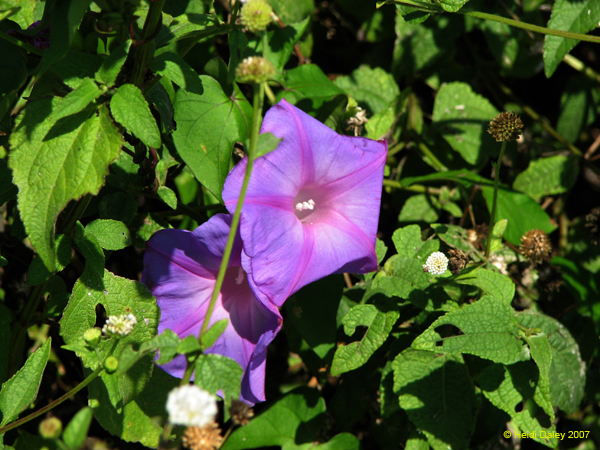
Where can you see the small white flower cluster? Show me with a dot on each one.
(436, 264)
(191, 406)
(119, 325)
(305, 205)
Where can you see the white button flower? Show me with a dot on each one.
(119, 325)
(191, 406)
(436, 264)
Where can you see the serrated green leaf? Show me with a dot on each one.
(52, 169)
(267, 142)
(76, 66)
(523, 213)
(308, 83)
(166, 343)
(567, 371)
(488, 329)
(173, 67)
(407, 241)
(373, 88)
(136, 421)
(167, 195)
(24, 11)
(118, 296)
(407, 277)
(578, 107)
(189, 345)
(290, 422)
(77, 429)
(207, 127)
(462, 117)
(379, 124)
(313, 310)
(183, 26)
(38, 273)
(18, 392)
(213, 333)
(437, 393)
(420, 208)
(8, 191)
(567, 15)
(78, 99)
(453, 235)
(494, 283)
(92, 252)
(161, 99)
(548, 176)
(129, 107)
(379, 323)
(109, 71)
(506, 387)
(282, 41)
(541, 353)
(110, 234)
(219, 373)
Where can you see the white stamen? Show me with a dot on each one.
(240, 277)
(305, 205)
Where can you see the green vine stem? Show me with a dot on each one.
(434, 8)
(412, 188)
(55, 403)
(494, 200)
(145, 50)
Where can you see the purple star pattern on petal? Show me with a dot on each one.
(180, 268)
(312, 205)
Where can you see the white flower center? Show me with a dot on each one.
(305, 206)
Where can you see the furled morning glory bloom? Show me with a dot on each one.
(180, 268)
(312, 205)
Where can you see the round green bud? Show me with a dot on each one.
(111, 364)
(92, 337)
(254, 70)
(256, 15)
(50, 428)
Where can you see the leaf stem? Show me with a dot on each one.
(494, 200)
(56, 402)
(145, 51)
(413, 187)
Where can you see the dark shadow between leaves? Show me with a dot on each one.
(68, 124)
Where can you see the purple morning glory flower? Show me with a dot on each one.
(180, 268)
(312, 205)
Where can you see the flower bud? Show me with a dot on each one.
(256, 15)
(92, 337)
(50, 428)
(254, 69)
(111, 364)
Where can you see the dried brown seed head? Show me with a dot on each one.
(241, 412)
(458, 260)
(207, 437)
(536, 246)
(506, 127)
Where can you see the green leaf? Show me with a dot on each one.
(173, 67)
(159, 97)
(313, 311)
(453, 235)
(207, 127)
(18, 392)
(290, 422)
(373, 88)
(488, 329)
(118, 296)
(420, 208)
(76, 431)
(497, 233)
(567, 15)
(111, 67)
(541, 352)
(379, 323)
(507, 387)
(407, 241)
(308, 88)
(282, 41)
(38, 273)
(213, 333)
(548, 176)
(24, 13)
(8, 191)
(578, 107)
(492, 282)
(567, 370)
(523, 213)
(76, 66)
(438, 395)
(167, 195)
(189, 345)
(379, 124)
(182, 27)
(217, 372)
(110, 234)
(136, 421)
(78, 99)
(50, 169)
(462, 117)
(166, 343)
(91, 250)
(267, 142)
(130, 109)
(406, 280)
(118, 206)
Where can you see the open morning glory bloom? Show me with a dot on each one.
(312, 204)
(180, 268)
